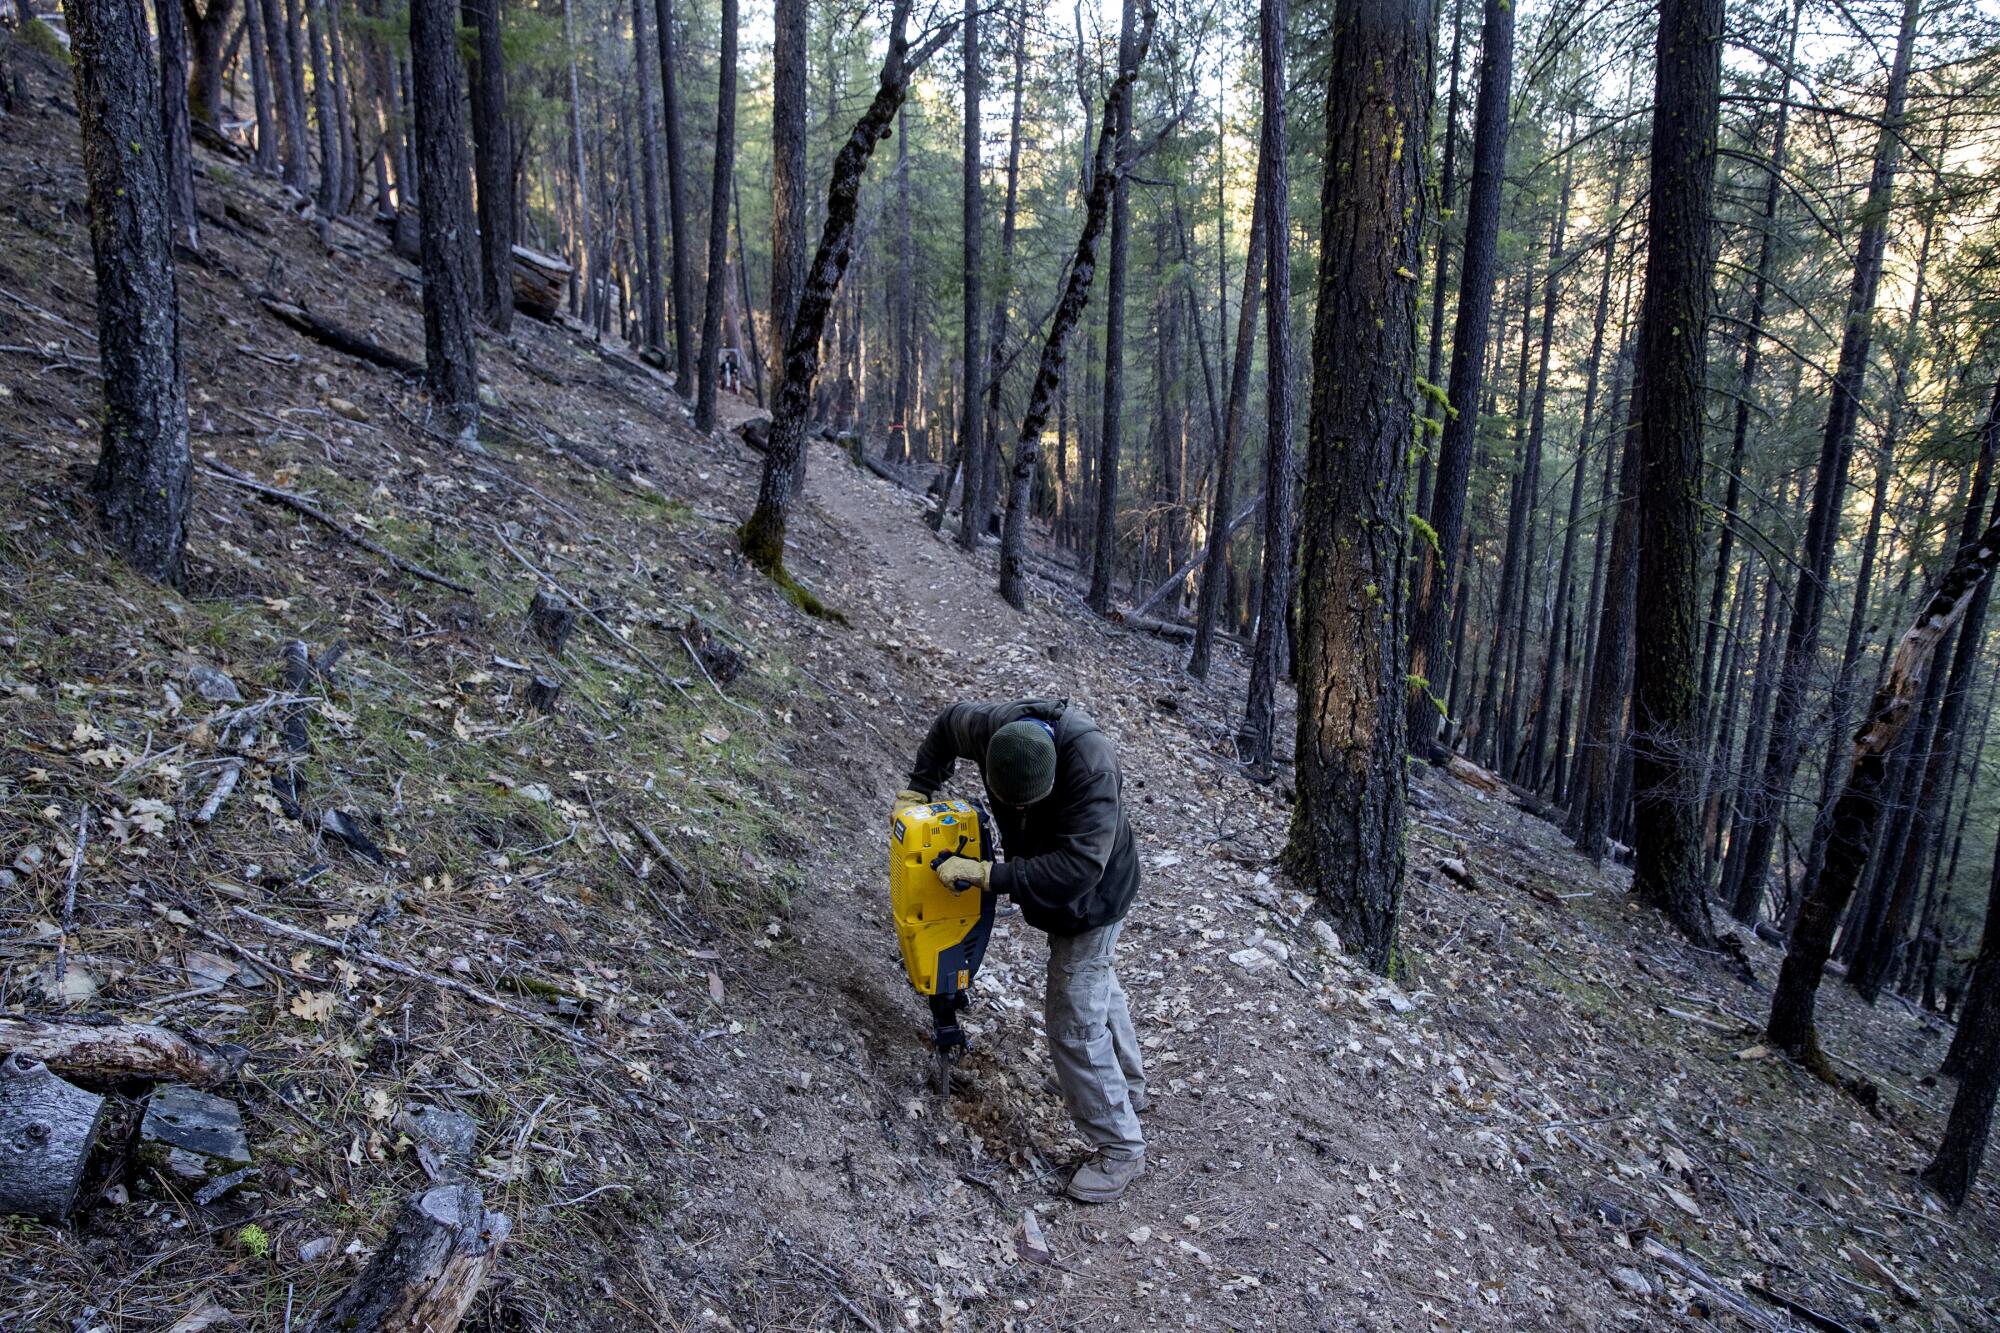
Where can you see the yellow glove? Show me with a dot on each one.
(904, 799)
(962, 872)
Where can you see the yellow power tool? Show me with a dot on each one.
(941, 928)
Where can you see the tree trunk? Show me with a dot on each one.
(1104, 529)
(206, 32)
(1431, 648)
(997, 339)
(1858, 807)
(680, 236)
(1836, 448)
(652, 321)
(1601, 740)
(1879, 950)
(1956, 1164)
(1214, 573)
(1107, 168)
(143, 477)
(291, 104)
(1256, 736)
(327, 201)
(175, 131)
(493, 164)
(972, 403)
(903, 393)
(1347, 837)
(451, 370)
(718, 224)
(762, 535)
(1434, 364)
(261, 88)
(1669, 870)
(790, 196)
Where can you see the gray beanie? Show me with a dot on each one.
(1021, 762)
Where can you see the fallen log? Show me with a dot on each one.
(539, 283)
(428, 1269)
(1174, 580)
(48, 1128)
(115, 1053)
(358, 346)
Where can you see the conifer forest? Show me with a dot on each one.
(511, 510)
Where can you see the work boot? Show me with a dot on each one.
(1104, 1179)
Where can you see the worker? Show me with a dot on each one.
(1071, 868)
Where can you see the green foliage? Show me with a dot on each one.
(39, 37)
(254, 1241)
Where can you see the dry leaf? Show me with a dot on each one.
(313, 1006)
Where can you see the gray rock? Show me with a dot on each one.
(1633, 1283)
(213, 684)
(192, 1135)
(316, 1249)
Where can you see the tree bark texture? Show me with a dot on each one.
(1104, 526)
(651, 296)
(680, 236)
(1670, 872)
(47, 1130)
(451, 370)
(972, 403)
(493, 165)
(428, 1268)
(143, 479)
(176, 131)
(789, 199)
(1347, 836)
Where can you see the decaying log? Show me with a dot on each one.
(552, 618)
(47, 1129)
(115, 1053)
(428, 1269)
(539, 283)
(358, 346)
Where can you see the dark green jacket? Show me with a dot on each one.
(1071, 864)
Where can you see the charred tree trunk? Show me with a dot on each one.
(1956, 1164)
(326, 121)
(1104, 528)
(175, 130)
(493, 164)
(1855, 812)
(789, 198)
(652, 321)
(1669, 870)
(1256, 737)
(906, 300)
(261, 89)
(1431, 649)
(451, 369)
(143, 480)
(1434, 365)
(972, 403)
(997, 338)
(718, 224)
(1347, 837)
(291, 105)
(1106, 169)
(680, 236)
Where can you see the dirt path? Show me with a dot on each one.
(1286, 1182)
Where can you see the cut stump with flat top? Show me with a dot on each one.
(47, 1129)
(428, 1270)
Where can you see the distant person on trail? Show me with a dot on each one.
(1072, 869)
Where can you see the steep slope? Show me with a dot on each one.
(704, 1104)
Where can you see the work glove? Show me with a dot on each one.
(904, 799)
(962, 872)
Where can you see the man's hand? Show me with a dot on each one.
(904, 799)
(962, 872)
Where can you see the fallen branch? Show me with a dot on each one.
(389, 964)
(115, 1053)
(356, 345)
(224, 784)
(69, 899)
(1718, 1293)
(300, 505)
(596, 621)
(1798, 1309)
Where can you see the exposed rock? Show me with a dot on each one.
(192, 1135)
(213, 684)
(1633, 1283)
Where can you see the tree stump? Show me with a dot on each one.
(428, 1269)
(552, 618)
(543, 694)
(47, 1129)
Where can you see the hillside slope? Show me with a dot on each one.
(704, 1103)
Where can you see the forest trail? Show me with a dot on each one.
(713, 1111)
(1491, 1148)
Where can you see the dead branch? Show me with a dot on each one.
(111, 1054)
